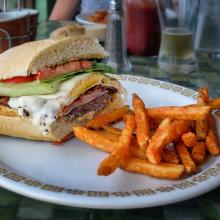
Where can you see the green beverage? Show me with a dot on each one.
(176, 51)
(177, 43)
(177, 20)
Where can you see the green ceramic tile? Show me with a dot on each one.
(60, 214)
(34, 209)
(7, 213)
(176, 212)
(143, 217)
(209, 209)
(8, 198)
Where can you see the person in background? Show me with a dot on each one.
(66, 10)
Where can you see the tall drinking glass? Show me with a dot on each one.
(177, 19)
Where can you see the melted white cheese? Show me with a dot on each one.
(43, 109)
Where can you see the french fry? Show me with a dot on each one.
(103, 142)
(169, 156)
(212, 143)
(214, 103)
(189, 139)
(110, 164)
(185, 157)
(107, 118)
(142, 123)
(170, 171)
(203, 96)
(201, 129)
(177, 129)
(193, 126)
(154, 123)
(179, 112)
(116, 131)
(211, 137)
(162, 170)
(202, 125)
(211, 122)
(157, 142)
(95, 139)
(136, 152)
(113, 137)
(199, 152)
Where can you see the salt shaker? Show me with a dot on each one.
(115, 43)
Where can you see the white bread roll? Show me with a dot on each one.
(16, 126)
(97, 31)
(68, 30)
(28, 58)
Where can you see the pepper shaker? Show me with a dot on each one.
(115, 43)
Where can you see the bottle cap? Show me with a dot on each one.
(116, 5)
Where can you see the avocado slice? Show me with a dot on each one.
(30, 88)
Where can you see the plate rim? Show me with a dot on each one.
(186, 190)
(119, 200)
(80, 18)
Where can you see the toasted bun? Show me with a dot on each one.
(23, 127)
(4, 110)
(96, 30)
(27, 58)
(67, 31)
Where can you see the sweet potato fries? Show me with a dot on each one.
(163, 142)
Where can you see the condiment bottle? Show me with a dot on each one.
(142, 27)
(115, 43)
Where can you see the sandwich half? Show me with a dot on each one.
(47, 87)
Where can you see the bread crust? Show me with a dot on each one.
(16, 126)
(28, 58)
(67, 31)
(4, 110)
(15, 61)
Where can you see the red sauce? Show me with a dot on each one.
(142, 27)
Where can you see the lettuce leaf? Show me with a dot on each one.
(47, 86)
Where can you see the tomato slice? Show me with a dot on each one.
(20, 79)
(73, 65)
(50, 72)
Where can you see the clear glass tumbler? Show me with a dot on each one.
(177, 19)
(207, 36)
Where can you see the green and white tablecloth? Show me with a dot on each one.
(207, 206)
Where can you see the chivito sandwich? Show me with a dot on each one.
(47, 87)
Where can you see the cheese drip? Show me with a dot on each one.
(43, 109)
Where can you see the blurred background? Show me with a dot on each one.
(141, 31)
(44, 7)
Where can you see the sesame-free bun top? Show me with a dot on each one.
(28, 58)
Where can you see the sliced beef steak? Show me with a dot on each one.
(95, 99)
(4, 100)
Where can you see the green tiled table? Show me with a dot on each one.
(207, 206)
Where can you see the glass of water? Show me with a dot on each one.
(177, 20)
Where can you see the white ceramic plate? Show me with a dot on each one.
(67, 174)
(83, 19)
